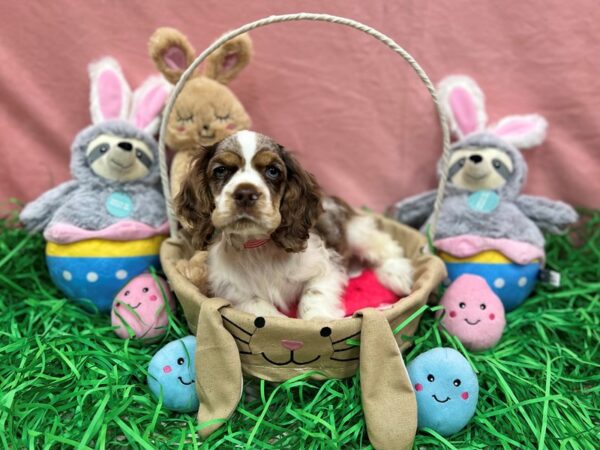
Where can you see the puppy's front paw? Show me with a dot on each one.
(316, 306)
(396, 274)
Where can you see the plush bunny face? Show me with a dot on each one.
(194, 123)
(476, 169)
(119, 158)
(206, 111)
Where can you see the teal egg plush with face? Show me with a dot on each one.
(446, 388)
(171, 375)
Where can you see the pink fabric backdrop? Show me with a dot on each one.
(346, 104)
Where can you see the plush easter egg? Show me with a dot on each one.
(511, 281)
(94, 270)
(171, 374)
(141, 308)
(446, 388)
(473, 312)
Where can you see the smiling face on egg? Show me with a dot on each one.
(171, 374)
(473, 312)
(141, 308)
(446, 389)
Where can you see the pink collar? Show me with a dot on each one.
(255, 243)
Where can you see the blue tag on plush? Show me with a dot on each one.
(119, 204)
(483, 201)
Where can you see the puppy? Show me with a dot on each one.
(273, 238)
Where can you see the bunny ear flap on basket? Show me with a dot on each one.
(218, 368)
(148, 102)
(463, 104)
(523, 132)
(388, 399)
(110, 94)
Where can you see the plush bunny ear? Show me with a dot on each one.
(523, 132)
(148, 102)
(110, 93)
(225, 63)
(463, 103)
(171, 52)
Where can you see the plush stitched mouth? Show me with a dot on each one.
(119, 165)
(472, 323)
(440, 401)
(183, 382)
(477, 177)
(292, 360)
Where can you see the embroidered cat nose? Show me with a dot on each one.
(476, 158)
(292, 345)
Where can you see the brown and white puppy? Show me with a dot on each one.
(273, 238)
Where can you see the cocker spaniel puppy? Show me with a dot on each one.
(273, 238)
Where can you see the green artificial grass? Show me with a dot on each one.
(67, 381)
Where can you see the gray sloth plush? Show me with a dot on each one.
(485, 226)
(105, 226)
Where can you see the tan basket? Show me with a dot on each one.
(231, 342)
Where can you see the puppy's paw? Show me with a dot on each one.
(314, 306)
(396, 274)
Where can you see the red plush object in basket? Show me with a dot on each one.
(363, 291)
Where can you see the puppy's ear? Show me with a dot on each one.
(194, 202)
(300, 206)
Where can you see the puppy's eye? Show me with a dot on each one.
(272, 172)
(462, 305)
(220, 171)
(222, 118)
(180, 361)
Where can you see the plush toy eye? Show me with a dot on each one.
(461, 162)
(187, 118)
(462, 305)
(223, 118)
(482, 306)
(325, 331)
(126, 293)
(496, 164)
(259, 322)
(456, 382)
(180, 361)
(430, 378)
(144, 290)
(272, 172)
(104, 148)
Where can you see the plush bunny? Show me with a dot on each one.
(206, 110)
(105, 226)
(485, 226)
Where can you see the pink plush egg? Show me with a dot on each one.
(473, 312)
(140, 305)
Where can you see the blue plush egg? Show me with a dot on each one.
(171, 374)
(446, 388)
(95, 270)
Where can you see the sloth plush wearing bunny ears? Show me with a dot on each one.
(485, 226)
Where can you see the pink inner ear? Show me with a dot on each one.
(514, 127)
(149, 106)
(464, 110)
(110, 95)
(229, 61)
(175, 58)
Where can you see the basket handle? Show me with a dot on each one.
(292, 18)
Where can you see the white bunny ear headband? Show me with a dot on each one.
(463, 103)
(111, 97)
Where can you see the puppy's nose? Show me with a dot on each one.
(476, 158)
(245, 197)
(125, 146)
(292, 345)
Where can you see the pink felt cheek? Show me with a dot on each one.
(452, 313)
(492, 316)
(153, 298)
(418, 387)
(167, 369)
(231, 126)
(464, 395)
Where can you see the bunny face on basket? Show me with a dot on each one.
(446, 388)
(171, 375)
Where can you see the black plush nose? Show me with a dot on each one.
(476, 158)
(205, 127)
(125, 146)
(245, 197)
